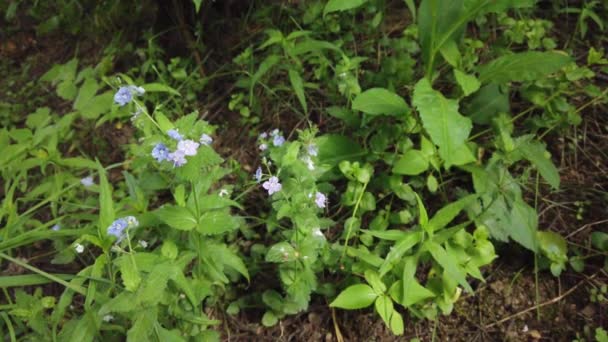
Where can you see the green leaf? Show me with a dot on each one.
(217, 222)
(264, 67)
(446, 214)
(490, 100)
(411, 290)
(384, 307)
(396, 324)
(553, 245)
(341, 5)
(298, 87)
(176, 217)
(197, 5)
(164, 123)
(524, 223)
(377, 101)
(448, 129)
(269, 319)
(355, 297)
(537, 154)
(423, 216)
(124, 302)
(229, 258)
(129, 274)
(599, 240)
(525, 66)
(399, 249)
(106, 205)
(468, 83)
(143, 325)
(374, 280)
(448, 263)
(413, 162)
(281, 252)
(159, 88)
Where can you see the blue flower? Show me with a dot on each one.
(263, 135)
(258, 174)
(123, 96)
(188, 147)
(320, 200)
(56, 227)
(87, 181)
(174, 134)
(160, 152)
(118, 227)
(278, 140)
(272, 185)
(206, 139)
(178, 158)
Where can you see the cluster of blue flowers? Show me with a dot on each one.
(119, 226)
(185, 147)
(276, 138)
(124, 95)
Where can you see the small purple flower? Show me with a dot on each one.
(87, 181)
(272, 185)
(118, 227)
(320, 200)
(123, 96)
(258, 174)
(206, 139)
(160, 152)
(263, 135)
(174, 134)
(312, 150)
(56, 227)
(178, 158)
(188, 147)
(263, 147)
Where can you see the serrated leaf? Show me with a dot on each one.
(143, 325)
(124, 302)
(525, 66)
(448, 129)
(355, 297)
(341, 5)
(281, 252)
(411, 163)
(378, 101)
(129, 274)
(176, 217)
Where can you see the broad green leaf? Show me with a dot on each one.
(143, 325)
(298, 87)
(152, 288)
(412, 291)
(176, 217)
(553, 245)
(217, 222)
(413, 162)
(269, 319)
(448, 129)
(537, 154)
(281, 252)
(77, 162)
(449, 265)
(159, 88)
(468, 83)
(396, 323)
(335, 148)
(355, 297)
(164, 123)
(124, 302)
(525, 66)
(490, 100)
(446, 214)
(449, 52)
(600, 241)
(230, 258)
(384, 307)
(374, 280)
(86, 328)
(523, 221)
(341, 5)
(377, 101)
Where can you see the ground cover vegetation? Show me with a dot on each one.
(303, 170)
